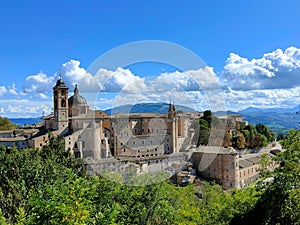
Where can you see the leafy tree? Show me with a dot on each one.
(204, 132)
(280, 201)
(266, 166)
(250, 133)
(280, 136)
(239, 141)
(227, 139)
(64, 202)
(263, 129)
(2, 218)
(25, 172)
(260, 141)
(5, 124)
(208, 116)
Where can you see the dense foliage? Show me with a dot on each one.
(47, 186)
(249, 136)
(23, 172)
(5, 124)
(280, 199)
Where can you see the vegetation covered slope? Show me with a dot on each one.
(5, 124)
(48, 186)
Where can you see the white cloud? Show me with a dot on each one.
(272, 80)
(2, 111)
(191, 80)
(72, 73)
(14, 108)
(2, 90)
(42, 96)
(238, 99)
(39, 83)
(278, 69)
(13, 89)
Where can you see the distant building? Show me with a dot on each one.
(17, 138)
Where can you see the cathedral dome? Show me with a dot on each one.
(77, 99)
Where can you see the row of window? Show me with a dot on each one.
(248, 172)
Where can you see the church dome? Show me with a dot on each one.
(77, 99)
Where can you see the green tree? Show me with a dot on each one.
(280, 136)
(2, 218)
(260, 141)
(280, 200)
(28, 171)
(5, 124)
(263, 129)
(208, 116)
(239, 141)
(64, 202)
(204, 132)
(249, 133)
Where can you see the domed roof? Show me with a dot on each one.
(77, 99)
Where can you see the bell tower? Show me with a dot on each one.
(60, 94)
(172, 122)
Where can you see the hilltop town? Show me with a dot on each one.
(143, 142)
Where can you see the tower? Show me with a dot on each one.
(172, 122)
(61, 119)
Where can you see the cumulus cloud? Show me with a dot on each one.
(13, 89)
(43, 96)
(14, 108)
(72, 73)
(278, 69)
(39, 83)
(270, 81)
(191, 80)
(119, 80)
(238, 99)
(2, 90)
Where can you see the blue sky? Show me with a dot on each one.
(230, 36)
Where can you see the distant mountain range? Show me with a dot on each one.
(147, 107)
(25, 121)
(278, 119)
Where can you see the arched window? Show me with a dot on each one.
(63, 103)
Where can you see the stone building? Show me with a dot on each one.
(18, 138)
(226, 167)
(93, 134)
(217, 163)
(148, 142)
